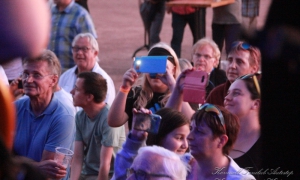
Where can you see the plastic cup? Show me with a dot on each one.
(63, 156)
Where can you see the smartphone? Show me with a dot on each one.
(20, 84)
(147, 122)
(194, 89)
(150, 64)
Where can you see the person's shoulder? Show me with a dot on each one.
(80, 10)
(61, 108)
(218, 88)
(103, 73)
(219, 71)
(100, 71)
(69, 72)
(238, 173)
(22, 101)
(66, 75)
(66, 99)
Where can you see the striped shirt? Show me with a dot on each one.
(73, 20)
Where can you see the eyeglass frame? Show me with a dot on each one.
(219, 112)
(144, 174)
(206, 57)
(84, 49)
(255, 81)
(33, 76)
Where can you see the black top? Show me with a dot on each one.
(154, 105)
(252, 159)
(217, 77)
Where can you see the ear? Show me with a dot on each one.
(222, 140)
(90, 97)
(256, 104)
(216, 63)
(95, 53)
(54, 80)
(254, 69)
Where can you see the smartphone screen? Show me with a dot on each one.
(150, 64)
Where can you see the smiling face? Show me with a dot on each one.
(238, 100)
(40, 81)
(203, 58)
(85, 55)
(238, 65)
(201, 141)
(176, 140)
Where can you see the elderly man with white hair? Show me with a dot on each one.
(85, 54)
(153, 162)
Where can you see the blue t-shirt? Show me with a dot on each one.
(54, 127)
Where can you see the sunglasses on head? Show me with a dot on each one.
(241, 44)
(214, 109)
(255, 80)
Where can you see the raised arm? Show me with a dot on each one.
(130, 149)
(117, 116)
(176, 99)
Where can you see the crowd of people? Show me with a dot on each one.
(63, 98)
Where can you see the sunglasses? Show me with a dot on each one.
(241, 44)
(214, 109)
(255, 80)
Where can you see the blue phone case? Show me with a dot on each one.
(150, 64)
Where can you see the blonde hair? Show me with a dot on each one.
(146, 93)
(207, 41)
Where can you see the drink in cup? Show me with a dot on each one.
(63, 156)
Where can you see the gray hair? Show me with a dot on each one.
(92, 40)
(211, 43)
(171, 162)
(49, 57)
(184, 64)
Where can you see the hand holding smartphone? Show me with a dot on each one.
(147, 122)
(194, 89)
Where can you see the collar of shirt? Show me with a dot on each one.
(49, 109)
(66, 10)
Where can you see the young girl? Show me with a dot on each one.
(172, 135)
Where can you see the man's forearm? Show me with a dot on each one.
(103, 172)
(75, 169)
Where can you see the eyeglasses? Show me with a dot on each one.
(241, 44)
(255, 80)
(212, 108)
(84, 49)
(142, 175)
(206, 57)
(36, 76)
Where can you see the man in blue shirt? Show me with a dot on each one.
(68, 20)
(43, 122)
